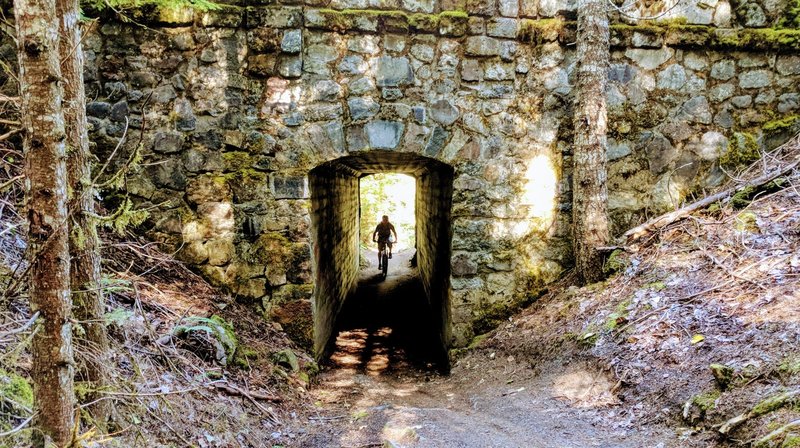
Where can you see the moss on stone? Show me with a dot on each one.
(742, 151)
(791, 15)
(619, 316)
(476, 341)
(772, 403)
(615, 262)
(707, 400)
(455, 13)
(543, 30)
(790, 365)
(237, 160)
(426, 23)
(781, 124)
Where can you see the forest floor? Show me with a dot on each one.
(699, 324)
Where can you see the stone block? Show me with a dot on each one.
(649, 59)
(262, 65)
(788, 65)
(482, 46)
(289, 186)
(509, 8)
(383, 134)
(502, 27)
(393, 72)
(471, 70)
(499, 71)
(362, 108)
(444, 112)
(486, 8)
(168, 142)
(274, 17)
(98, 109)
(290, 66)
(723, 70)
(292, 41)
(476, 26)
(453, 24)
(755, 79)
(659, 151)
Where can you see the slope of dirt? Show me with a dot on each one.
(721, 288)
(168, 389)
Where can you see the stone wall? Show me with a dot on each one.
(334, 211)
(434, 233)
(232, 109)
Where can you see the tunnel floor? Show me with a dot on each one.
(385, 327)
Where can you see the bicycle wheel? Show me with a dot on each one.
(385, 261)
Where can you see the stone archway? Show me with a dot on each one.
(334, 188)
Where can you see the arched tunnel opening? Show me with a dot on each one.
(404, 319)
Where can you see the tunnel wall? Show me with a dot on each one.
(434, 232)
(232, 109)
(334, 212)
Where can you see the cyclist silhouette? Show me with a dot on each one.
(384, 230)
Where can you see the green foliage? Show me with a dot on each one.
(380, 195)
(16, 399)
(126, 215)
(117, 316)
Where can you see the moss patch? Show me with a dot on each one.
(780, 125)
(742, 151)
(544, 30)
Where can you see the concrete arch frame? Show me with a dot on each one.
(334, 193)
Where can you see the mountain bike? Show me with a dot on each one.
(383, 255)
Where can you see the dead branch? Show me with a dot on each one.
(235, 391)
(22, 328)
(770, 404)
(780, 431)
(268, 412)
(662, 221)
(19, 428)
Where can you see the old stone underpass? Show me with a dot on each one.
(255, 122)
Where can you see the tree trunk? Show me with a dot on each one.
(46, 207)
(92, 352)
(589, 190)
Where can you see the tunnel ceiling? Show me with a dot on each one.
(372, 162)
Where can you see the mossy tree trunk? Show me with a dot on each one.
(46, 208)
(92, 351)
(590, 193)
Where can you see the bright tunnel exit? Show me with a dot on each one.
(391, 194)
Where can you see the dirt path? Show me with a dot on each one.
(383, 388)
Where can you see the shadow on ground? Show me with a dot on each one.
(385, 327)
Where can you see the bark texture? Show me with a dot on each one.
(590, 193)
(92, 351)
(46, 207)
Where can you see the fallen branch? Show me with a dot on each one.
(19, 428)
(664, 220)
(235, 391)
(765, 407)
(780, 431)
(239, 392)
